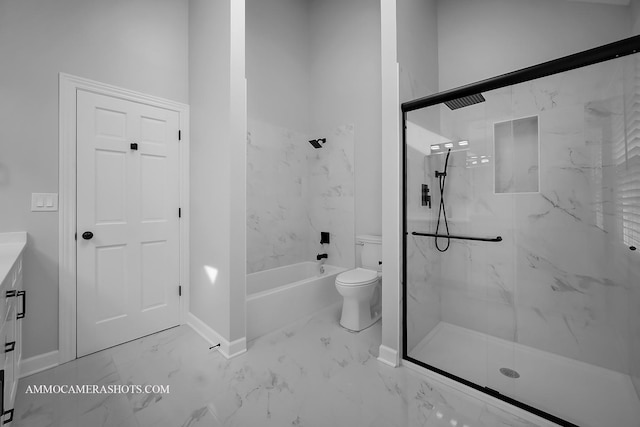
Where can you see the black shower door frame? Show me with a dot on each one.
(603, 53)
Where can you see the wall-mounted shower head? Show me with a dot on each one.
(316, 142)
(465, 101)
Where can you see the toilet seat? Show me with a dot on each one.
(357, 277)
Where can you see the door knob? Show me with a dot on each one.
(87, 235)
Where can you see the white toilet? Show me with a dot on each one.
(362, 305)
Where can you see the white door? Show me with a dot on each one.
(128, 199)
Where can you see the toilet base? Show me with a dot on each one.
(357, 313)
(374, 320)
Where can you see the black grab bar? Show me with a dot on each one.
(481, 239)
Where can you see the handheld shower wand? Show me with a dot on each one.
(442, 177)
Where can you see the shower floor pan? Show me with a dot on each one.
(584, 394)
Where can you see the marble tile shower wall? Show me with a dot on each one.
(630, 261)
(561, 280)
(331, 197)
(423, 295)
(423, 292)
(295, 191)
(277, 194)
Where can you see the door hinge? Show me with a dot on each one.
(179, 290)
(179, 135)
(179, 212)
(75, 236)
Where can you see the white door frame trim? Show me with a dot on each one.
(68, 86)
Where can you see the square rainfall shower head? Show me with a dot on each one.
(316, 142)
(465, 101)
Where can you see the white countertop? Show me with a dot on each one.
(11, 246)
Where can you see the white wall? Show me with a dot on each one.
(238, 175)
(479, 39)
(139, 45)
(278, 72)
(409, 70)
(345, 89)
(635, 17)
(218, 162)
(278, 63)
(391, 202)
(417, 48)
(314, 66)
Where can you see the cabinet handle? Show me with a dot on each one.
(9, 346)
(22, 294)
(2, 393)
(10, 412)
(2, 411)
(11, 293)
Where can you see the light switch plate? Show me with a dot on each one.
(44, 202)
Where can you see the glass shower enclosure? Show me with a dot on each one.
(521, 219)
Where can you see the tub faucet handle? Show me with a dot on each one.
(321, 256)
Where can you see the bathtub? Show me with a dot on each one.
(283, 295)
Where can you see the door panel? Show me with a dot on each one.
(154, 283)
(111, 187)
(111, 124)
(153, 130)
(128, 197)
(111, 283)
(153, 181)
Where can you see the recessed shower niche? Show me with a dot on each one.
(516, 156)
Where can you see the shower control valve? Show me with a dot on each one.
(322, 256)
(426, 198)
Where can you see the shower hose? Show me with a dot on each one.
(442, 212)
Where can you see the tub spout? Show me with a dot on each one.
(321, 256)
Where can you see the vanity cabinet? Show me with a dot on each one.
(12, 311)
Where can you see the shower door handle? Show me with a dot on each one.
(450, 236)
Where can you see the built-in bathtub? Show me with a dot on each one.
(282, 295)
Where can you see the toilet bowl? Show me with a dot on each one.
(360, 288)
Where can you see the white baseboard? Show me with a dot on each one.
(237, 347)
(388, 356)
(228, 349)
(38, 363)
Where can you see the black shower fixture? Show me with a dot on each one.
(465, 101)
(442, 212)
(316, 142)
(426, 198)
(324, 237)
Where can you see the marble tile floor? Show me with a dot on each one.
(311, 373)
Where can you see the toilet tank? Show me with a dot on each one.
(371, 255)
